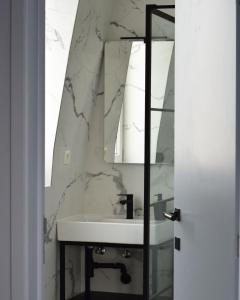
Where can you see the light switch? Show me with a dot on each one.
(67, 157)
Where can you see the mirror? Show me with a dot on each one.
(125, 102)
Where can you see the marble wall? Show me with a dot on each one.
(60, 18)
(104, 180)
(80, 94)
(88, 184)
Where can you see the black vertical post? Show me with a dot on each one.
(88, 271)
(62, 271)
(147, 162)
(150, 9)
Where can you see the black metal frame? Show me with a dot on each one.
(87, 246)
(143, 38)
(150, 11)
(88, 249)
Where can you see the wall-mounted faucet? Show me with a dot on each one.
(129, 202)
(160, 207)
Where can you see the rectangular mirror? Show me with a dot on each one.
(124, 111)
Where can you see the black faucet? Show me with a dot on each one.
(129, 202)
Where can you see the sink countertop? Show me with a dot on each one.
(111, 229)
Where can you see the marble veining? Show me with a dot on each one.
(51, 221)
(117, 179)
(128, 30)
(136, 4)
(114, 99)
(53, 36)
(69, 87)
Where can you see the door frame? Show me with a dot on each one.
(27, 148)
(238, 143)
(5, 207)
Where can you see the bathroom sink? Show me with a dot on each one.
(96, 229)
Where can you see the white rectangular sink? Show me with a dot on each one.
(98, 229)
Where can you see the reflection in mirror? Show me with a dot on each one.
(125, 102)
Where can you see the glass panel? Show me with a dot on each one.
(162, 151)
(162, 54)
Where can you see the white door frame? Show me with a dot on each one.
(27, 148)
(5, 206)
(238, 141)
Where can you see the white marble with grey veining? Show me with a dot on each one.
(60, 16)
(65, 196)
